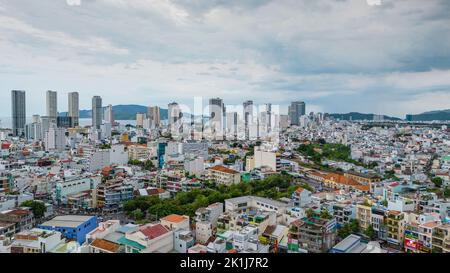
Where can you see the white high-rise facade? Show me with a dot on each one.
(217, 118)
(55, 139)
(109, 114)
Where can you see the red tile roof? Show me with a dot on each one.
(105, 245)
(154, 231)
(174, 218)
(220, 168)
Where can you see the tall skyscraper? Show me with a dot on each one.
(154, 114)
(97, 112)
(217, 114)
(269, 117)
(74, 108)
(109, 114)
(140, 117)
(232, 124)
(248, 117)
(296, 110)
(19, 113)
(52, 104)
(175, 115)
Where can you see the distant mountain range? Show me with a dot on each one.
(426, 116)
(360, 116)
(123, 112)
(432, 115)
(128, 112)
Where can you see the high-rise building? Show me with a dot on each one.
(36, 119)
(175, 116)
(296, 110)
(109, 114)
(248, 117)
(232, 124)
(140, 117)
(52, 104)
(97, 112)
(269, 117)
(64, 122)
(154, 114)
(19, 113)
(217, 114)
(74, 108)
(55, 139)
(33, 131)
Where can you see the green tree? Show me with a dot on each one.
(37, 207)
(137, 215)
(437, 181)
(148, 165)
(349, 228)
(370, 232)
(310, 213)
(354, 226)
(325, 214)
(447, 192)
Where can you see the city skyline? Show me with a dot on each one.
(230, 127)
(302, 57)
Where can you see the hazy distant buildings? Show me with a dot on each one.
(33, 131)
(175, 116)
(109, 114)
(46, 124)
(140, 117)
(55, 139)
(217, 113)
(52, 104)
(232, 124)
(296, 110)
(97, 112)
(248, 117)
(74, 108)
(154, 114)
(64, 122)
(19, 113)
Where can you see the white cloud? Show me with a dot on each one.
(333, 54)
(13, 27)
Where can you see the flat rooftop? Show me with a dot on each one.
(71, 221)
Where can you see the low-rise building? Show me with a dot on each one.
(224, 175)
(36, 241)
(74, 227)
(312, 234)
(206, 222)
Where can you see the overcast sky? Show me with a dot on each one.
(337, 55)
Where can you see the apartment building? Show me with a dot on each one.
(206, 222)
(151, 238)
(312, 234)
(113, 193)
(245, 203)
(441, 239)
(224, 175)
(36, 241)
(363, 215)
(22, 220)
(395, 228)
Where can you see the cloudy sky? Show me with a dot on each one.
(337, 55)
